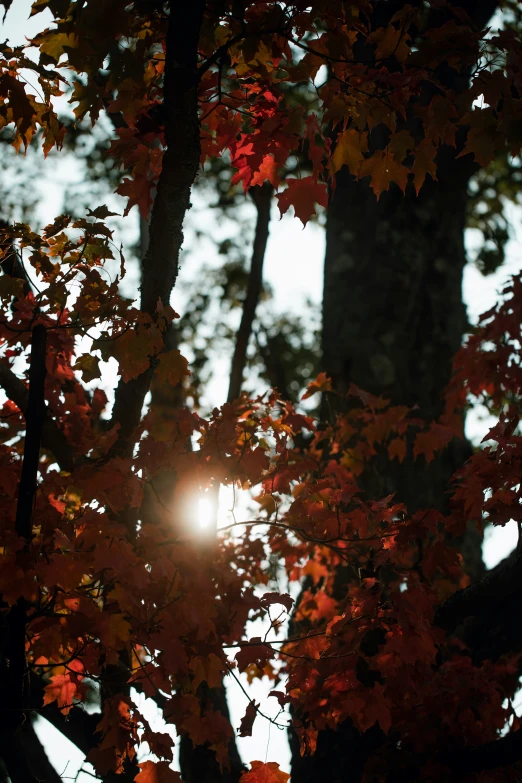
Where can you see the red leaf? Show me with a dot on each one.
(247, 721)
(397, 448)
(64, 686)
(303, 195)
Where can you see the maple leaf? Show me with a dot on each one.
(172, 367)
(424, 163)
(261, 772)
(436, 438)
(268, 599)
(156, 772)
(65, 686)
(303, 194)
(247, 721)
(256, 651)
(133, 349)
(207, 669)
(114, 630)
(89, 366)
(11, 286)
(101, 213)
(384, 169)
(104, 760)
(321, 384)
(483, 137)
(7, 6)
(55, 44)
(138, 191)
(349, 150)
(397, 448)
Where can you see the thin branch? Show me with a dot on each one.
(262, 197)
(34, 416)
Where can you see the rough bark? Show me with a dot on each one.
(393, 315)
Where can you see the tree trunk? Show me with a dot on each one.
(393, 315)
(393, 318)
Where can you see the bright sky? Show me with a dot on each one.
(293, 268)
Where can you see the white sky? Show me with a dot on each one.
(293, 268)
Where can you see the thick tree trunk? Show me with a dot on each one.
(393, 318)
(393, 315)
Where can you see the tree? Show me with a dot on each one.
(393, 317)
(101, 595)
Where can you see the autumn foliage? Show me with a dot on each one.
(113, 590)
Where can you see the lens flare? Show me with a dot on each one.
(204, 513)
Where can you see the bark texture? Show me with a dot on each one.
(393, 315)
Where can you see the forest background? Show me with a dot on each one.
(293, 277)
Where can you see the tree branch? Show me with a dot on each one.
(262, 197)
(180, 164)
(499, 753)
(34, 417)
(52, 437)
(13, 662)
(36, 756)
(482, 614)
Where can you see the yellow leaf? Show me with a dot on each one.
(349, 150)
(55, 44)
(89, 366)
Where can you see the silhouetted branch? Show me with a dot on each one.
(13, 663)
(498, 753)
(482, 614)
(262, 197)
(34, 417)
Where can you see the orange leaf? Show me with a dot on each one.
(172, 367)
(156, 772)
(349, 150)
(264, 773)
(322, 383)
(384, 169)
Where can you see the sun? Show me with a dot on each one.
(205, 513)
